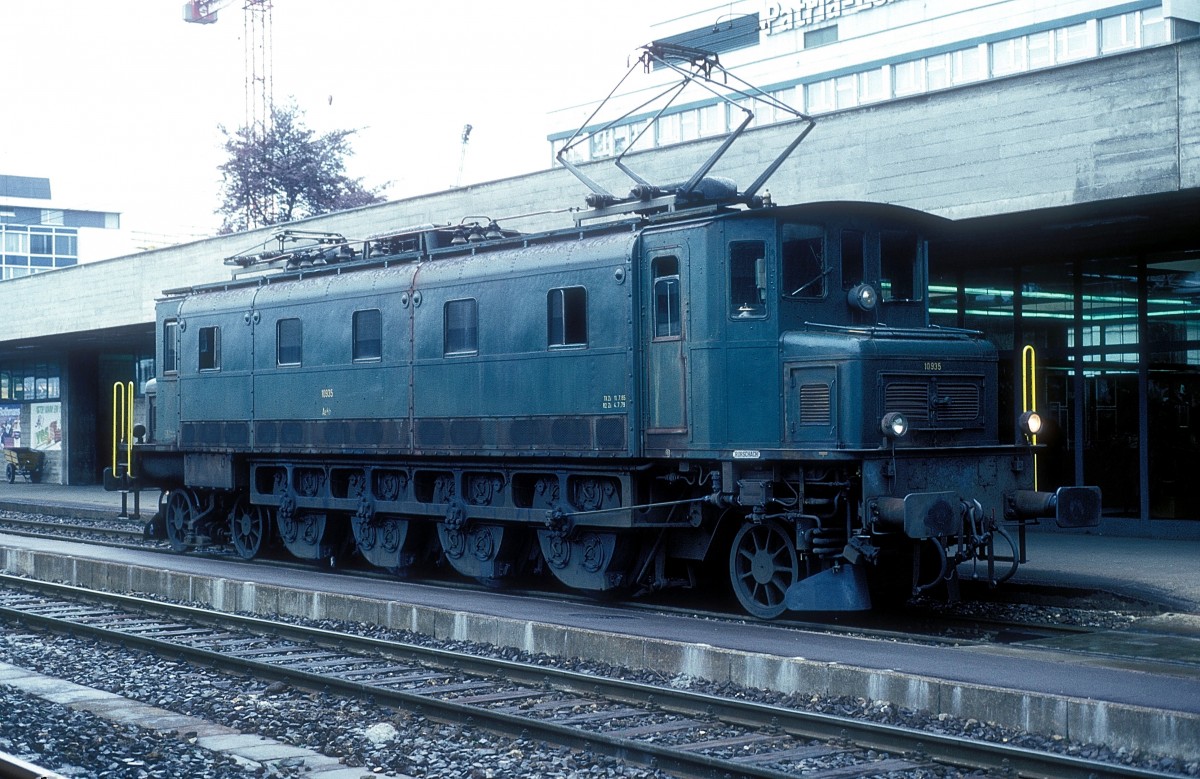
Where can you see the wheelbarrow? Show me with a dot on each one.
(20, 461)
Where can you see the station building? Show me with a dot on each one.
(1062, 140)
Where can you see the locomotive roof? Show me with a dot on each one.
(306, 254)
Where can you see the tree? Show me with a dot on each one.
(286, 172)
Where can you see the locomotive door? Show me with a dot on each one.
(664, 336)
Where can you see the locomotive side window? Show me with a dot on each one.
(288, 342)
(668, 321)
(368, 335)
(748, 279)
(170, 347)
(566, 317)
(461, 320)
(803, 260)
(899, 269)
(210, 348)
(853, 257)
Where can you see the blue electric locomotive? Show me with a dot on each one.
(689, 374)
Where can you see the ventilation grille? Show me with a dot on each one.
(814, 404)
(935, 402)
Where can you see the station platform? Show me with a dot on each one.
(1160, 571)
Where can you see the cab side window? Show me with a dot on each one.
(461, 327)
(747, 279)
(170, 346)
(289, 342)
(367, 329)
(668, 319)
(566, 317)
(210, 348)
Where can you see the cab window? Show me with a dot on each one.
(170, 355)
(668, 321)
(853, 258)
(210, 348)
(747, 279)
(803, 261)
(898, 266)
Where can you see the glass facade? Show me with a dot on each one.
(26, 249)
(1116, 370)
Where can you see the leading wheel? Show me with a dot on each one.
(178, 515)
(762, 565)
(11, 472)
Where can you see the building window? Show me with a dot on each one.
(821, 37)
(1008, 56)
(210, 348)
(170, 346)
(289, 342)
(30, 381)
(16, 242)
(937, 72)
(1154, 29)
(969, 65)
(1118, 33)
(566, 317)
(803, 261)
(1075, 42)
(668, 320)
(747, 279)
(847, 91)
(368, 335)
(909, 78)
(873, 85)
(1039, 49)
(66, 245)
(712, 119)
(41, 243)
(461, 327)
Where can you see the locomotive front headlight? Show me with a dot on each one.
(894, 424)
(862, 297)
(1031, 423)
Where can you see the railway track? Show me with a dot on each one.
(13, 767)
(677, 731)
(939, 626)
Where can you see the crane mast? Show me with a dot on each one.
(257, 43)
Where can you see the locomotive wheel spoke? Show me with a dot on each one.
(178, 515)
(763, 564)
(248, 527)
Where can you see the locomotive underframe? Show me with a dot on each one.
(597, 527)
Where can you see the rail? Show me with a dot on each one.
(13, 767)
(506, 696)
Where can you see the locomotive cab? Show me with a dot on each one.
(851, 434)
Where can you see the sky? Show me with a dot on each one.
(120, 102)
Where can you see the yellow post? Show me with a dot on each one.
(122, 425)
(1029, 393)
(118, 426)
(129, 431)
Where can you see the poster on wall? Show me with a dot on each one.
(10, 426)
(47, 425)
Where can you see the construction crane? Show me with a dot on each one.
(462, 157)
(256, 39)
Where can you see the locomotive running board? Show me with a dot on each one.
(843, 588)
